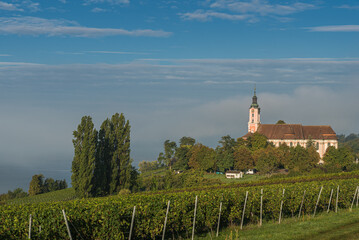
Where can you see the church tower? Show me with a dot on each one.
(254, 114)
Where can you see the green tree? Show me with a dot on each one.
(341, 159)
(224, 153)
(266, 160)
(182, 157)
(187, 141)
(243, 159)
(84, 162)
(36, 185)
(257, 141)
(202, 158)
(301, 161)
(50, 185)
(280, 122)
(283, 155)
(104, 155)
(121, 167)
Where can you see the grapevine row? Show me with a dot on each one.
(110, 217)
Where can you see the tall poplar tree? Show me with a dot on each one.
(105, 152)
(84, 162)
(120, 162)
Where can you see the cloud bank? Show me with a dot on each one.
(54, 27)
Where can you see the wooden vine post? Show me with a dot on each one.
(164, 226)
(355, 193)
(261, 209)
(316, 205)
(281, 206)
(194, 217)
(336, 202)
(301, 204)
(132, 220)
(67, 224)
(30, 222)
(219, 217)
(244, 209)
(330, 200)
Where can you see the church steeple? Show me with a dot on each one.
(254, 114)
(254, 99)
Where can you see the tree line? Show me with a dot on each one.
(255, 152)
(102, 163)
(39, 184)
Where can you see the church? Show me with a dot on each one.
(323, 136)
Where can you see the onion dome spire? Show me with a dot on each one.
(254, 99)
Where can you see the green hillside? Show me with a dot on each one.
(56, 196)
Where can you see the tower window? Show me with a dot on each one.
(252, 114)
(252, 120)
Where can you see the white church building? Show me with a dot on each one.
(323, 136)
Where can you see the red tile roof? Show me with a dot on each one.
(295, 131)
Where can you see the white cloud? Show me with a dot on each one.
(202, 15)
(250, 11)
(9, 7)
(335, 28)
(262, 7)
(108, 1)
(97, 10)
(345, 6)
(55, 27)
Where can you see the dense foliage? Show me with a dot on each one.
(102, 163)
(110, 217)
(38, 185)
(255, 152)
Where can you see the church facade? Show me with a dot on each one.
(323, 136)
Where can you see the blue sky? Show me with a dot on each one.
(174, 68)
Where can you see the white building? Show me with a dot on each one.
(323, 136)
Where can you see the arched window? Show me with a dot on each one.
(317, 145)
(291, 144)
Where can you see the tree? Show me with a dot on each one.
(280, 122)
(182, 157)
(50, 185)
(224, 156)
(84, 162)
(341, 159)
(120, 162)
(300, 159)
(36, 185)
(243, 159)
(167, 158)
(257, 141)
(202, 158)
(145, 166)
(310, 142)
(283, 155)
(187, 141)
(104, 155)
(266, 160)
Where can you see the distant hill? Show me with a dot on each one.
(352, 141)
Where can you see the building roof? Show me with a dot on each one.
(295, 131)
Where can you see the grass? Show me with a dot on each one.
(60, 195)
(158, 172)
(222, 177)
(343, 225)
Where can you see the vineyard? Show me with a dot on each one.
(110, 217)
